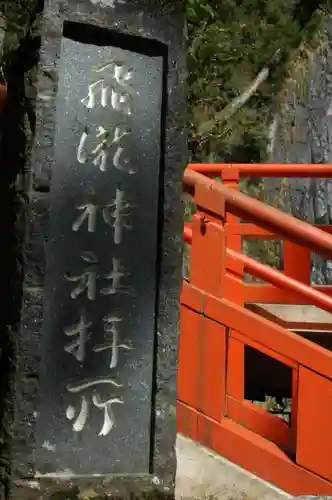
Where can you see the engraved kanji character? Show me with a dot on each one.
(87, 280)
(115, 276)
(114, 87)
(111, 325)
(121, 164)
(77, 346)
(100, 150)
(109, 419)
(119, 215)
(81, 418)
(86, 384)
(89, 211)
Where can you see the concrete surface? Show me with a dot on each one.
(202, 474)
(299, 313)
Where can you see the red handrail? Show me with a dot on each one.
(274, 277)
(263, 215)
(286, 283)
(264, 170)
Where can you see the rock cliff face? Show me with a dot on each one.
(311, 142)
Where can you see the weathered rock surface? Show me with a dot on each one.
(311, 142)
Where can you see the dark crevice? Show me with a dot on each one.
(160, 230)
(17, 127)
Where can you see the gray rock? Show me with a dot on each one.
(311, 200)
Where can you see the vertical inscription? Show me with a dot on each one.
(114, 90)
(101, 257)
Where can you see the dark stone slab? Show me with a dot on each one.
(96, 379)
(109, 294)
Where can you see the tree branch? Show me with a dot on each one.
(238, 102)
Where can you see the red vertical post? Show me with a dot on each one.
(208, 254)
(234, 286)
(297, 262)
(234, 291)
(231, 178)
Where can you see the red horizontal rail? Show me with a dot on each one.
(279, 280)
(250, 231)
(267, 217)
(275, 277)
(264, 170)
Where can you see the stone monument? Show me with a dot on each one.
(95, 401)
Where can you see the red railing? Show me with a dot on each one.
(294, 251)
(217, 330)
(259, 213)
(270, 275)
(262, 170)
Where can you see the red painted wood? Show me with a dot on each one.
(245, 413)
(189, 354)
(314, 423)
(260, 421)
(264, 169)
(235, 368)
(293, 255)
(208, 239)
(187, 421)
(212, 371)
(264, 349)
(272, 336)
(192, 297)
(259, 456)
(211, 407)
(295, 409)
(254, 211)
(268, 294)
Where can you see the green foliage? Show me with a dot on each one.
(230, 42)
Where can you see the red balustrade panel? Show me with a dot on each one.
(189, 357)
(202, 361)
(314, 442)
(246, 413)
(213, 369)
